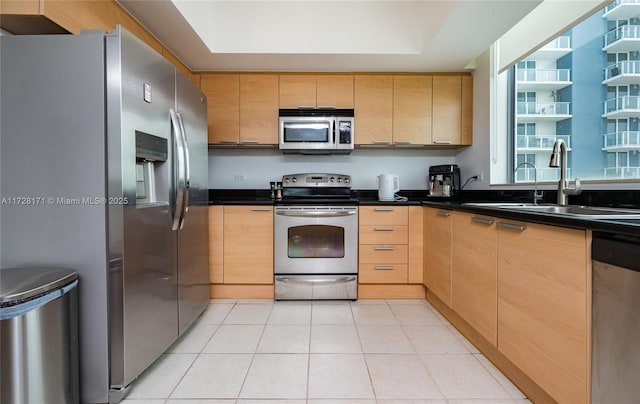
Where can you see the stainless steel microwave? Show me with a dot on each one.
(316, 131)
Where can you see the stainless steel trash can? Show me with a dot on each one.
(38, 336)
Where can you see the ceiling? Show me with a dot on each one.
(326, 35)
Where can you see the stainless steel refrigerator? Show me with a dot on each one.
(103, 169)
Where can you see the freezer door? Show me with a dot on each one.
(192, 238)
(143, 275)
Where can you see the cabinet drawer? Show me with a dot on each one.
(380, 273)
(377, 215)
(384, 234)
(383, 254)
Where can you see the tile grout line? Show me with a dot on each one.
(253, 356)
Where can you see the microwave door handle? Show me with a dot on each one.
(187, 172)
(179, 196)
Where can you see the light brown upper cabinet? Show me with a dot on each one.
(373, 109)
(223, 107)
(259, 109)
(242, 108)
(412, 110)
(316, 91)
(452, 110)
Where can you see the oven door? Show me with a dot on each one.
(315, 240)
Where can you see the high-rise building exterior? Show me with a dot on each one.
(583, 87)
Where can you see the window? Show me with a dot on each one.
(582, 87)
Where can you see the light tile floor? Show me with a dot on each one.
(364, 352)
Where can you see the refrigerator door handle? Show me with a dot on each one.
(187, 172)
(180, 174)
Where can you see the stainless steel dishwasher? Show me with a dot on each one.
(615, 369)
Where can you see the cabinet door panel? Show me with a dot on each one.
(412, 109)
(466, 137)
(223, 106)
(384, 234)
(475, 273)
(380, 215)
(437, 253)
(447, 109)
(216, 243)
(259, 108)
(543, 307)
(297, 90)
(248, 241)
(334, 90)
(382, 273)
(373, 109)
(383, 254)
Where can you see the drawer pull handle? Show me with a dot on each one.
(443, 213)
(442, 142)
(227, 141)
(383, 228)
(384, 248)
(383, 209)
(383, 267)
(512, 226)
(261, 209)
(481, 220)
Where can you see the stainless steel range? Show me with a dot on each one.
(316, 238)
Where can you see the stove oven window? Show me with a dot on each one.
(315, 241)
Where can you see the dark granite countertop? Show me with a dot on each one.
(621, 199)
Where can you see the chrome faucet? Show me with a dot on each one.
(564, 187)
(536, 196)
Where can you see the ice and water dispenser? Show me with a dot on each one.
(152, 174)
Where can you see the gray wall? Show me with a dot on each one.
(262, 166)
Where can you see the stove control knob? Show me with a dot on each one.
(339, 179)
(346, 180)
(332, 179)
(293, 179)
(286, 179)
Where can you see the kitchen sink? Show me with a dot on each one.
(585, 212)
(498, 204)
(591, 212)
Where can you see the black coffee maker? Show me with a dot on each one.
(444, 180)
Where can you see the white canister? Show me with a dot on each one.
(388, 185)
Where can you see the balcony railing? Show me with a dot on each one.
(626, 103)
(624, 32)
(621, 68)
(543, 75)
(621, 172)
(544, 108)
(617, 3)
(561, 42)
(608, 10)
(526, 174)
(624, 139)
(540, 142)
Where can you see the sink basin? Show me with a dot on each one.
(585, 212)
(498, 204)
(591, 212)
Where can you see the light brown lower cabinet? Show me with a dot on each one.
(241, 244)
(475, 272)
(544, 305)
(522, 290)
(437, 252)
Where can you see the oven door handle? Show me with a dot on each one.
(325, 279)
(316, 213)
